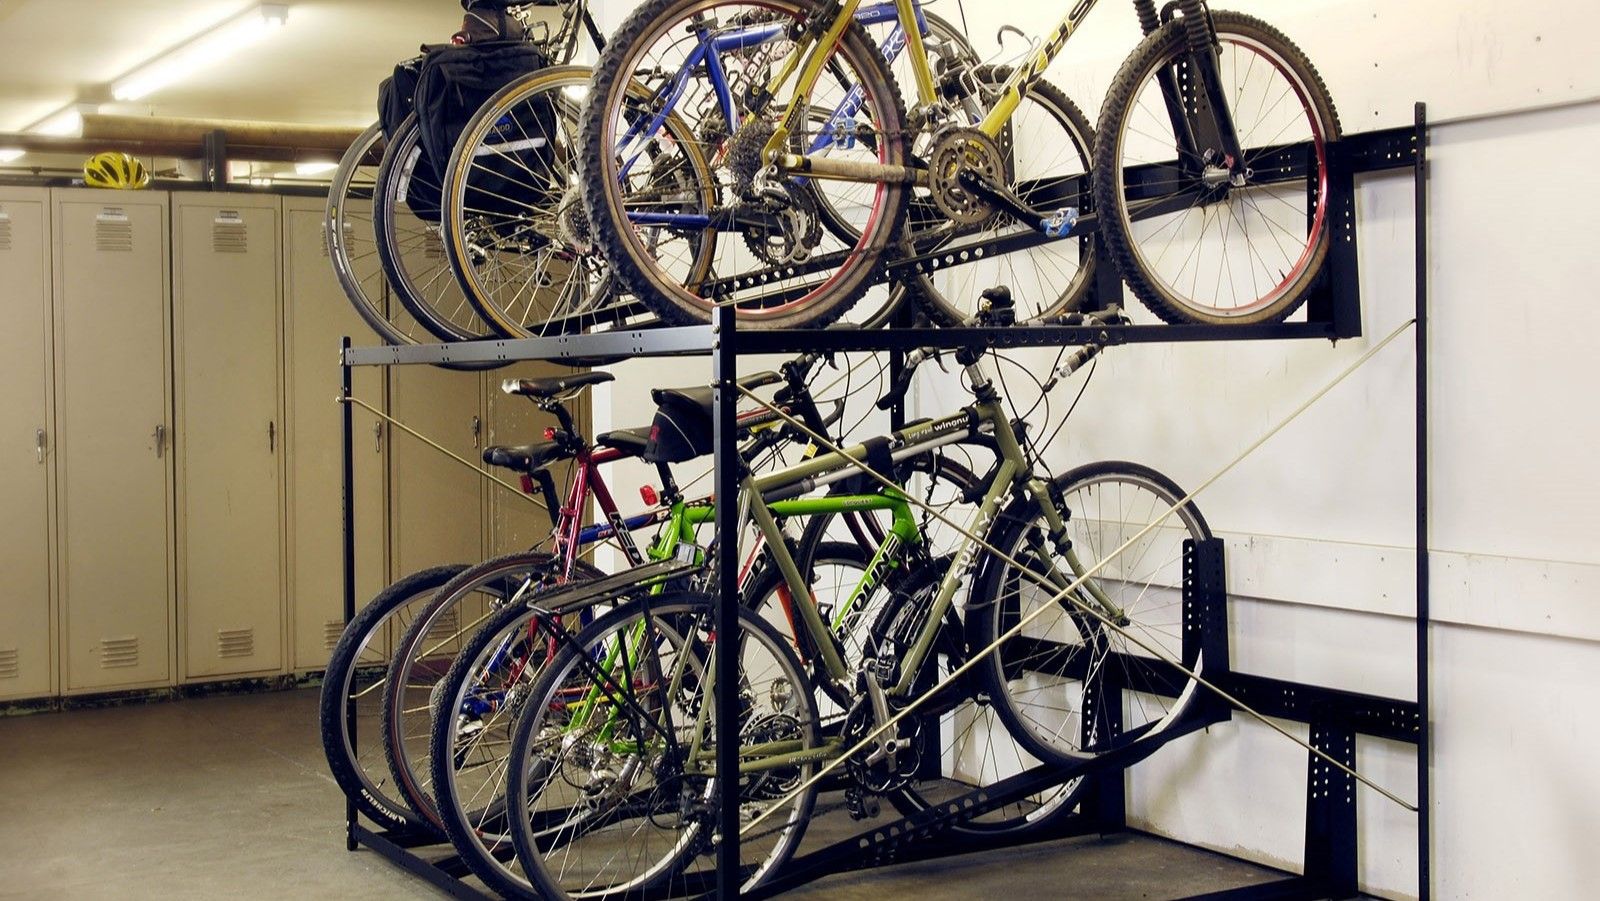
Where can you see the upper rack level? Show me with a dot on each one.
(1332, 312)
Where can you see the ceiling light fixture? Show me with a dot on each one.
(11, 154)
(202, 51)
(66, 122)
(315, 167)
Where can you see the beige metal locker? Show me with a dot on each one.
(113, 466)
(436, 507)
(316, 314)
(26, 428)
(228, 433)
(515, 524)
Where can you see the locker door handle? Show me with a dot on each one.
(41, 443)
(161, 440)
(272, 437)
(477, 431)
(377, 437)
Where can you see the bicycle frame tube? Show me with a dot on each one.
(1016, 86)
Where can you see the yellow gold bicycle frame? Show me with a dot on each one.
(817, 53)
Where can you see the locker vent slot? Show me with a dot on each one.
(331, 633)
(117, 653)
(433, 247)
(5, 232)
(446, 628)
(236, 642)
(229, 234)
(9, 668)
(113, 235)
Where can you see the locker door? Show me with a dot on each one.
(316, 314)
(515, 524)
(25, 445)
(226, 320)
(435, 502)
(113, 460)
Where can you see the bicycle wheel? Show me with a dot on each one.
(481, 695)
(1045, 152)
(605, 799)
(429, 646)
(1195, 243)
(839, 203)
(407, 223)
(355, 678)
(954, 744)
(514, 225)
(834, 571)
(1041, 680)
(655, 219)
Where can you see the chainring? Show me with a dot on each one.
(958, 149)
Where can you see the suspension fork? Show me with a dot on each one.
(1214, 124)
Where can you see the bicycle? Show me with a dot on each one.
(516, 232)
(612, 786)
(1212, 204)
(354, 695)
(379, 252)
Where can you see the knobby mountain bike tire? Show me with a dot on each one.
(1234, 253)
(760, 269)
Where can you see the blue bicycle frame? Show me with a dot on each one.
(709, 50)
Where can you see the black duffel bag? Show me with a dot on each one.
(455, 81)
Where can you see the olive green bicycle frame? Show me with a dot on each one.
(1014, 473)
(811, 57)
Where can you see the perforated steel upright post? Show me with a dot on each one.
(724, 372)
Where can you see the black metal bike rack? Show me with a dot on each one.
(1335, 717)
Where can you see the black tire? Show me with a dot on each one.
(443, 622)
(949, 50)
(957, 725)
(369, 786)
(1005, 674)
(1155, 281)
(347, 220)
(476, 825)
(404, 242)
(1063, 271)
(672, 616)
(522, 226)
(676, 300)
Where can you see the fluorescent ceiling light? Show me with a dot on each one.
(11, 154)
(202, 51)
(315, 167)
(63, 123)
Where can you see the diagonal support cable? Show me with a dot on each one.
(1069, 594)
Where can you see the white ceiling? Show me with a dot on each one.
(322, 68)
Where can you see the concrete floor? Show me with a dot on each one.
(230, 797)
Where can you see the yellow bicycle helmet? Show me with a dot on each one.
(115, 170)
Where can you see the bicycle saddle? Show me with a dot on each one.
(683, 428)
(629, 441)
(551, 386)
(527, 459)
